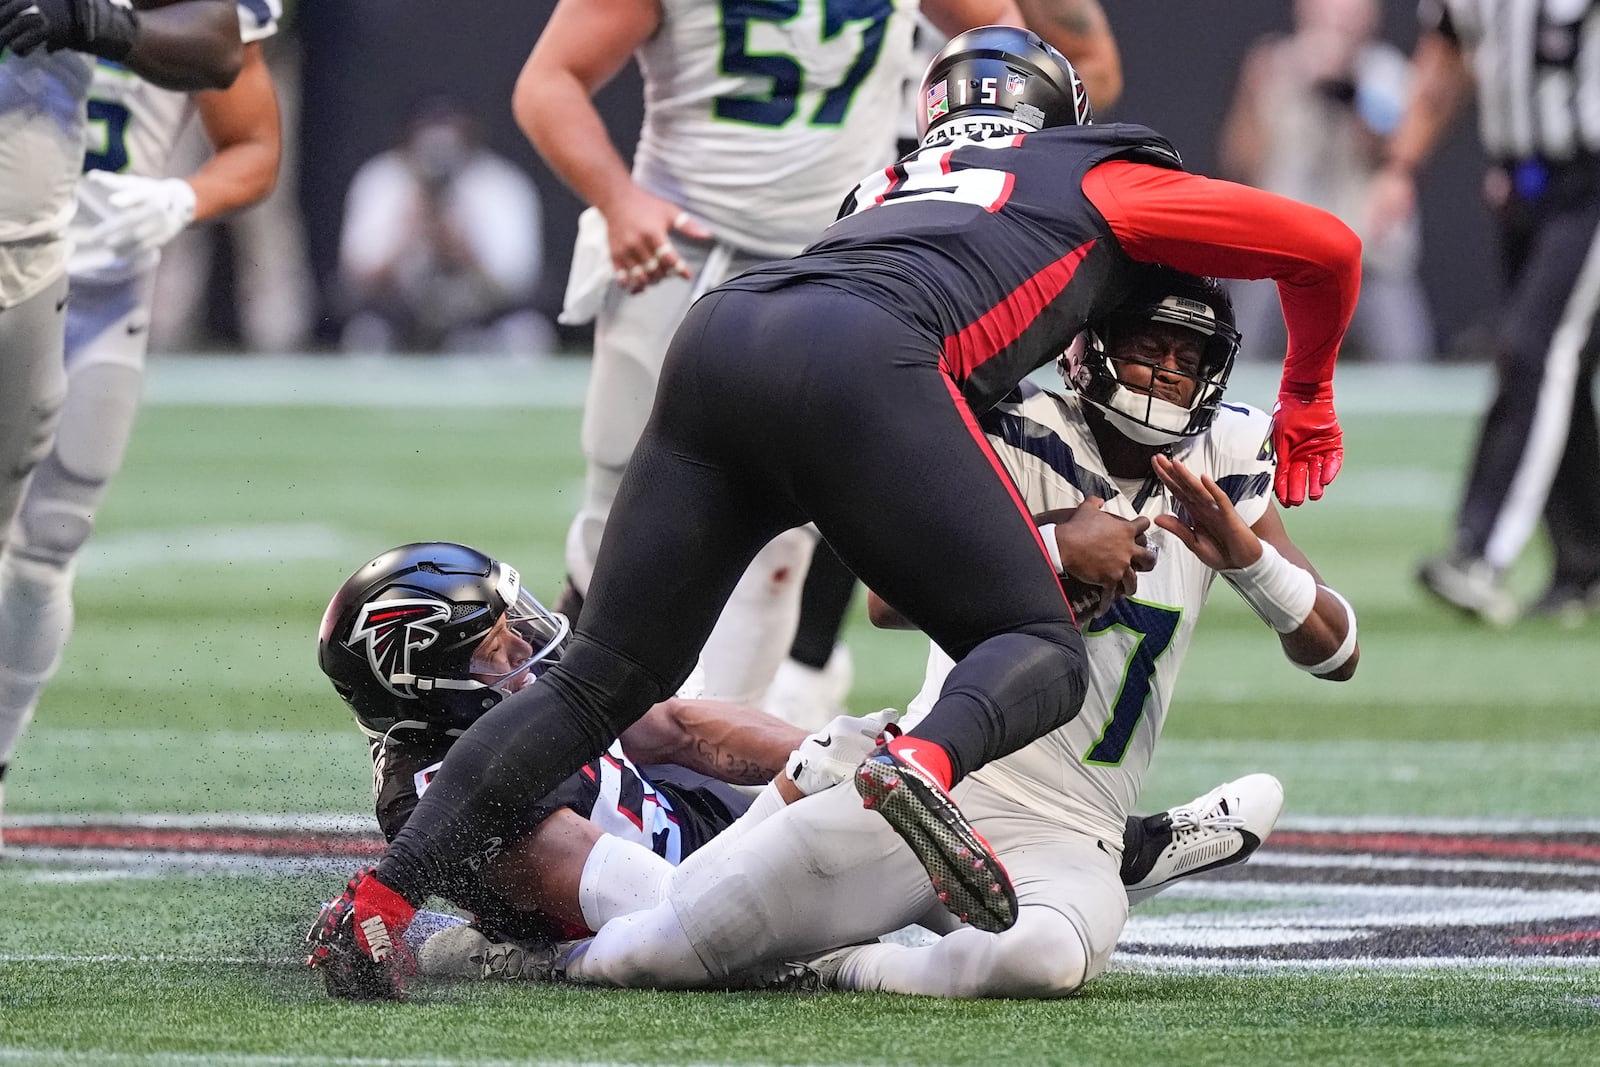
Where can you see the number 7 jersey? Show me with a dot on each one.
(1088, 773)
(761, 114)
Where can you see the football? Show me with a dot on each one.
(1088, 601)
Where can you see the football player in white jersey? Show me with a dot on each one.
(126, 210)
(1145, 436)
(758, 119)
(603, 843)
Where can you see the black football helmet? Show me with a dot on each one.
(1175, 298)
(403, 640)
(999, 76)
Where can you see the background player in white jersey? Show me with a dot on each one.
(126, 211)
(758, 119)
(1145, 436)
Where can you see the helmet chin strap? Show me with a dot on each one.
(1158, 410)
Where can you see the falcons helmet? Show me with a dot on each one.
(403, 640)
(1171, 297)
(999, 76)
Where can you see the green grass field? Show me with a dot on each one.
(191, 687)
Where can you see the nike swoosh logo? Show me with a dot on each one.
(135, 329)
(908, 754)
(825, 742)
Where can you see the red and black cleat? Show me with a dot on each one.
(966, 874)
(357, 945)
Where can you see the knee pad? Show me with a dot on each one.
(56, 517)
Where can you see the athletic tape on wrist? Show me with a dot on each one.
(1347, 647)
(1047, 534)
(1282, 593)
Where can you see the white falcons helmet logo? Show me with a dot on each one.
(392, 630)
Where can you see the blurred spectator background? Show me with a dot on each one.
(440, 248)
(353, 75)
(1309, 118)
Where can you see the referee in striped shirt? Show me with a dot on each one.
(1536, 64)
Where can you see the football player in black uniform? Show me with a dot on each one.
(425, 638)
(842, 387)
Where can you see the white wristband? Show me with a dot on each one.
(1347, 647)
(1047, 534)
(1282, 593)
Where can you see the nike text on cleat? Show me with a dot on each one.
(1216, 829)
(973, 884)
(356, 942)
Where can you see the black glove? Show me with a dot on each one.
(97, 27)
(23, 26)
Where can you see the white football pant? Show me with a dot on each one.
(632, 333)
(826, 872)
(106, 340)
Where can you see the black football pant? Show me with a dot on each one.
(807, 403)
(824, 602)
(1538, 451)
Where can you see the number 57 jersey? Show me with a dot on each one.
(1087, 774)
(761, 114)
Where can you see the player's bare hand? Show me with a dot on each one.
(1104, 549)
(640, 230)
(1208, 524)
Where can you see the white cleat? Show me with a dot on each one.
(1217, 829)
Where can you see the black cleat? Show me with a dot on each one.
(966, 874)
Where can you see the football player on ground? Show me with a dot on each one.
(126, 211)
(421, 640)
(756, 123)
(1144, 436)
(845, 385)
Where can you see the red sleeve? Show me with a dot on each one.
(1205, 226)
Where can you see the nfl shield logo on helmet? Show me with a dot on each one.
(938, 101)
(1015, 82)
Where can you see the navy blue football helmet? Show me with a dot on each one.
(1171, 298)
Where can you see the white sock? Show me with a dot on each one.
(35, 621)
(645, 950)
(620, 877)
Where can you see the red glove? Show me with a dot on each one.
(1309, 443)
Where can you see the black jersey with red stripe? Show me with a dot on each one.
(989, 245)
(668, 809)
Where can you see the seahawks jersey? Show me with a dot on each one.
(41, 150)
(134, 126)
(1088, 773)
(989, 245)
(759, 116)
